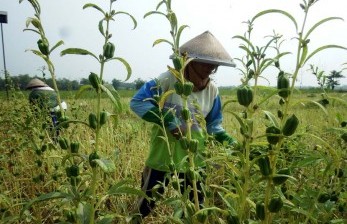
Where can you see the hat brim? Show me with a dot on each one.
(212, 61)
(207, 60)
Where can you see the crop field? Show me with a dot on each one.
(315, 154)
(288, 164)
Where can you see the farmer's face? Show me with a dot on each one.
(203, 70)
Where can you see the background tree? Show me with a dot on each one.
(331, 80)
(139, 83)
(116, 83)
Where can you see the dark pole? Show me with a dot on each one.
(3, 55)
(3, 19)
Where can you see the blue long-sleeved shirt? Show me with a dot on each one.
(205, 106)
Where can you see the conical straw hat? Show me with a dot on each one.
(206, 48)
(36, 83)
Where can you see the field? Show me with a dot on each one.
(287, 165)
(315, 155)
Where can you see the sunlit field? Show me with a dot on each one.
(318, 164)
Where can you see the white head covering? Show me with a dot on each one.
(206, 48)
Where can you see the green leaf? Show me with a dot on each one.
(88, 5)
(305, 213)
(318, 24)
(106, 165)
(303, 55)
(272, 118)
(308, 161)
(46, 197)
(153, 12)
(38, 53)
(164, 97)
(226, 103)
(161, 41)
(35, 31)
(178, 36)
(239, 119)
(122, 188)
(160, 3)
(101, 27)
(113, 96)
(82, 89)
(56, 45)
(83, 213)
(35, 22)
(131, 17)
(245, 40)
(78, 51)
(175, 73)
(323, 48)
(126, 65)
(276, 11)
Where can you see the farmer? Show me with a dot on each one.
(44, 100)
(207, 54)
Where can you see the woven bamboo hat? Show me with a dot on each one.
(35, 83)
(206, 48)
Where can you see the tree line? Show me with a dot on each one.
(19, 82)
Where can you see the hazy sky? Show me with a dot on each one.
(66, 20)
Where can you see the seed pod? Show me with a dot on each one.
(38, 162)
(277, 63)
(175, 184)
(94, 80)
(74, 170)
(178, 87)
(271, 138)
(43, 46)
(202, 216)
(190, 208)
(278, 180)
(188, 88)
(260, 211)
(250, 74)
(344, 136)
(184, 143)
(63, 142)
(245, 95)
(193, 145)
(279, 114)
(339, 173)
(68, 172)
(92, 157)
(93, 123)
(191, 174)
(323, 197)
(233, 219)
(177, 63)
(264, 166)
(283, 86)
(64, 119)
(290, 126)
(275, 204)
(281, 102)
(103, 117)
(44, 148)
(185, 114)
(109, 49)
(74, 146)
(172, 167)
(249, 63)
